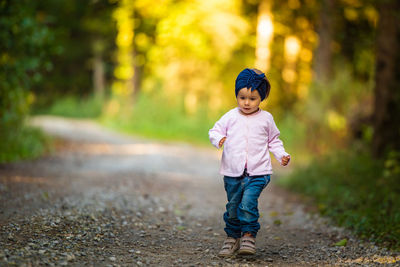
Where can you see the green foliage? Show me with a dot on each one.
(327, 119)
(155, 117)
(198, 51)
(293, 134)
(334, 112)
(24, 143)
(23, 59)
(356, 191)
(80, 30)
(341, 243)
(74, 107)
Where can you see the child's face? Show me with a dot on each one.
(248, 101)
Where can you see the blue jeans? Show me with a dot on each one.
(241, 214)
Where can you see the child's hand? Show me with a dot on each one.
(222, 141)
(285, 160)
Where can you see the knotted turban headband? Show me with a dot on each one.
(248, 78)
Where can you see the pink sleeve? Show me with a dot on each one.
(275, 145)
(218, 131)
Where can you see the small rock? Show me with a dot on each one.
(70, 257)
(10, 237)
(161, 209)
(112, 258)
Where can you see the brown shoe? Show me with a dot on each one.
(247, 245)
(229, 247)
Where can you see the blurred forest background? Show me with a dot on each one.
(166, 70)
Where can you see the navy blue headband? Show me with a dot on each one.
(248, 78)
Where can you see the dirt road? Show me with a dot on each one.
(105, 199)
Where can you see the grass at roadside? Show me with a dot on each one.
(148, 117)
(23, 143)
(157, 118)
(357, 192)
(73, 107)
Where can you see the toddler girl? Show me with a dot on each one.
(248, 135)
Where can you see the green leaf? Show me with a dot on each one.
(180, 227)
(341, 243)
(45, 195)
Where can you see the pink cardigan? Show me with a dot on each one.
(249, 139)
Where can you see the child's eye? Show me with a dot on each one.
(242, 97)
(252, 99)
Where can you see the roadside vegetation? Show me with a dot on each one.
(26, 143)
(356, 191)
(73, 107)
(157, 118)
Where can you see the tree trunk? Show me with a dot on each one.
(264, 36)
(323, 58)
(386, 120)
(136, 80)
(98, 76)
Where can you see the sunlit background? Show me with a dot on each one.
(167, 70)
